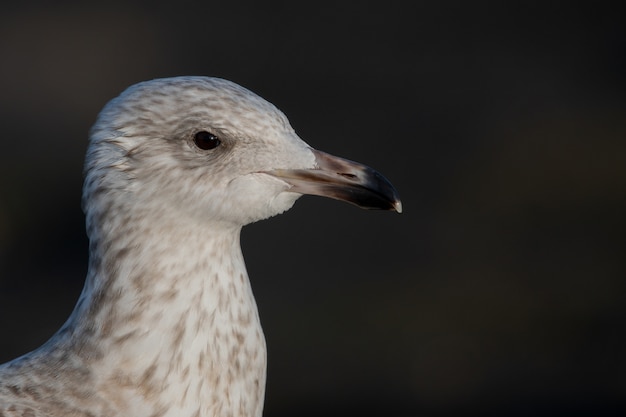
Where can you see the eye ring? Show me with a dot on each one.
(206, 140)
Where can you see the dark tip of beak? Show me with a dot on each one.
(366, 188)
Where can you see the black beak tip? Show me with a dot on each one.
(388, 197)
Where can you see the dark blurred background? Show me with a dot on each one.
(501, 290)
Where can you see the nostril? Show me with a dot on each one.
(349, 176)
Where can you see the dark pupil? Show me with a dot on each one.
(205, 140)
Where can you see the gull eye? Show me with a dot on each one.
(206, 140)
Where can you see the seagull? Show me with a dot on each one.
(166, 324)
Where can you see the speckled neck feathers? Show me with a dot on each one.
(165, 326)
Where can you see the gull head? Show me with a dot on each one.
(209, 150)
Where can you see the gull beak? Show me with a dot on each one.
(344, 180)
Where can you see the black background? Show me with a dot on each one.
(500, 290)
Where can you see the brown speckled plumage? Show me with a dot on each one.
(167, 324)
